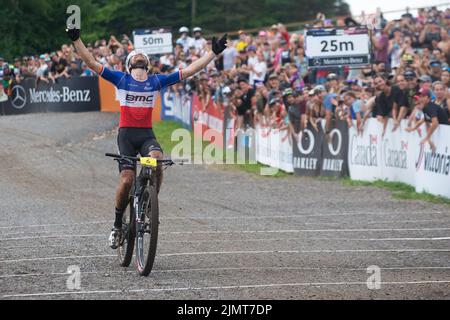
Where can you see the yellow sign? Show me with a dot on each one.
(149, 162)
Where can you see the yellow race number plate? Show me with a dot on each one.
(149, 162)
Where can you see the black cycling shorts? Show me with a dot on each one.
(132, 141)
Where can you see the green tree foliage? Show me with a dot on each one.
(33, 26)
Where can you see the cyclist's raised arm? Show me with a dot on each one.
(86, 56)
(218, 46)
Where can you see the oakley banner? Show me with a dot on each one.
(335, 151)
(66, 95)
(307, 152)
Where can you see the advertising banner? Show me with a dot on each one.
(209, 118)
(337, 47)
(335, 151)
(433, 168)
(307, 152)
(364, 154)
(66, 95)
(152, 43)
(398, 154)
(176, 107)
(286, 156)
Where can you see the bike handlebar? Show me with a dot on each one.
(168, 162)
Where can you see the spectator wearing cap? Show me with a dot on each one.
(43, 70)
(390, 102)
(17, 70)
(411, 88)
(433, 116)
(258, 69)
(199, 42)
(184, 39)
(242, 43)
(274, 85)
(295, 113)
(244, 111)
(436, 70)
(425, 82)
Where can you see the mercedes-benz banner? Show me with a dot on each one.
(65, 95)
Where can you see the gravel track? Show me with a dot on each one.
(224, 234)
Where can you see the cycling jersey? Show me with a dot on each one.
(137, 98)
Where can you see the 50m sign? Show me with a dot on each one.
(159, 43)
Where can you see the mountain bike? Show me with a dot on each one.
(140, 225)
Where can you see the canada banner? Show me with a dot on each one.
(209, 118)
(391, 157)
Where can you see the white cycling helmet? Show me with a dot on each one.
(131, 55)
(197, 29)
(183, 30)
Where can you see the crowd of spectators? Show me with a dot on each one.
(265, 78)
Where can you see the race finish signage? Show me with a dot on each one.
(326, 48)
(152, 42)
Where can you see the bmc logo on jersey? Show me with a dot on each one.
(137, 98)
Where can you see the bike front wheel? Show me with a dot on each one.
(127, 240)
(147, 230)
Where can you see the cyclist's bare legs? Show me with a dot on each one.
(159, 172)
(123, 191)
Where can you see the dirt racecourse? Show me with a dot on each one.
(224, 234)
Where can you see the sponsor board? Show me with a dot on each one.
(364, 152)
(433, 168)
(66, 95)
(274, 148)
(335, 151)
(176, 107)
(307, 152)
(152, 43)
(210, 118)
(337, 47)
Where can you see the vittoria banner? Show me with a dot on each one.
(433, 168)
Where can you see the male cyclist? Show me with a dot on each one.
(137, 92)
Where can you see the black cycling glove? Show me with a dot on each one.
(218, 46)
(74, 34)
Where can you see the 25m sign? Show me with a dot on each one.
(337, 47)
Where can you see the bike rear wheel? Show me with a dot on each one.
(127, 240)
(147, 230)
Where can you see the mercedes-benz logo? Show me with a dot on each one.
(20, 97)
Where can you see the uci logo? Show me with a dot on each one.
(19, 97)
